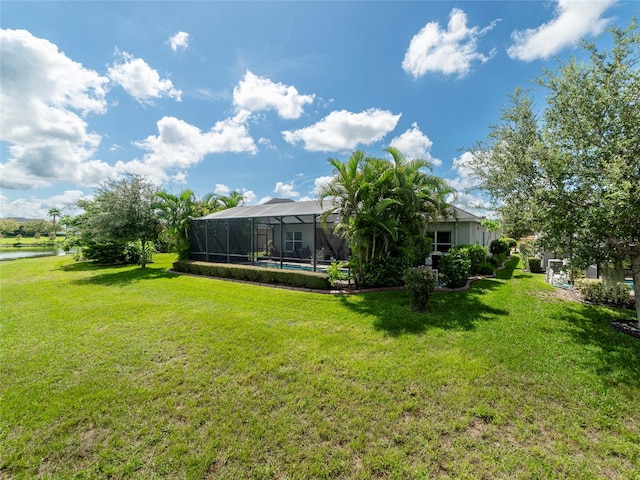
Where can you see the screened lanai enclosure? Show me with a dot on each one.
(280, 233)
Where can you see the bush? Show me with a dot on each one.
(454, 269)
(510, 241)
(535, 264)
(336, 272)
(420, 282)
(486, 269)
(592, 290)
(476, 254)
(274, 276)
(384, 272)
(499, 246)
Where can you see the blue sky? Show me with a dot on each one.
(256, 96)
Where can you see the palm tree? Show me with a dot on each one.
(176, 212)
(55, 213)
(384, 206)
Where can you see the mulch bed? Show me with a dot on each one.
(630, 327)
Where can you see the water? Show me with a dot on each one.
(14, 253)
(630, 283)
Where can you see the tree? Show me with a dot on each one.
(8, 226)
(175, 212)
(122, 210)
(383, 208)
(54, 213)
(575, 174)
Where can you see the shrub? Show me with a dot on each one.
(486, 269)
(336, 272)
(454, 269)
(383, 272)
(477, 255)
(274, 276)
(593, 290)
(420, 282)
(535, 264)
(510, 241)
(499, 246)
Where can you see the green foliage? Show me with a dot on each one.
(383, 272)
(8, 226)
(123, 210)
(454, 269)
(175, 212)
(420, 282)
(274, 276)
(511, 242)
(535, 264)
(384, 207)
(106, 253)
(336, 272)
(486, 269)
(499, 246)
(477, 254)
(593, 290)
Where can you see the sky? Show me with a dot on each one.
(257, 96)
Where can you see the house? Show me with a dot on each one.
(282, 231)
(460, 228)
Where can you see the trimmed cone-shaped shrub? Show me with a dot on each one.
(420, 282)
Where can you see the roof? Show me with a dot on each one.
(303, 212)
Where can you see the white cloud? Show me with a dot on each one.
(473, 203)
(286, 190)
(415, 144)
(179, 41)
(180, 145)
(463, 180)
(249, 196)
(451, 51)
(320, 182)
(343, 130)
(259, 93)
(44, 100)
(264, 200)
(221, 189)
(34, 207)
(140, 80)
(573, 20)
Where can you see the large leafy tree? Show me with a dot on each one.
(383, 206)
(574, 174)
(123, 210)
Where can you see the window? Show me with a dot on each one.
(441, 241)
(293, 241)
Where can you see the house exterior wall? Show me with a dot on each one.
(461, 233)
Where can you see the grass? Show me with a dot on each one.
(128, 373)
(43, 241)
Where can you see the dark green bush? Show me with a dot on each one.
(499, 246)
(384, 272)
(454, 269)
(511, 242)
(275, 276)
(477, 255)
(486, 269)
(535, 264)
(420, 282)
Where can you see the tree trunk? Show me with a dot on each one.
(635, 269)
(143, 254)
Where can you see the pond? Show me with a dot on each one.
(13, 253)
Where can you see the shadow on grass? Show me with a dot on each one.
(123, 274)
(618, 359)
(451, 311)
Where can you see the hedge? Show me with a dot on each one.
(274, 276)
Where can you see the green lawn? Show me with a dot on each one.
(30, 241)
(121, 372)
